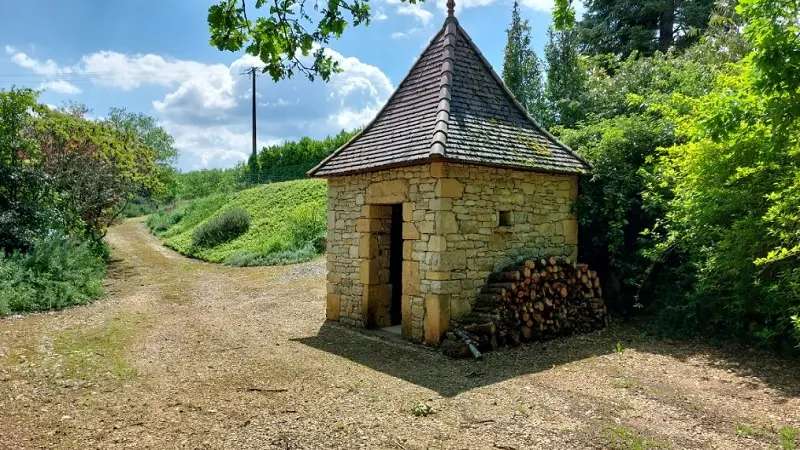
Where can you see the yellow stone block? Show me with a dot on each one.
(368, 246)
(438, 276)
(334, 277)
(368, 272)
(437, 244)
(438, 169)
(332, 307)
(405, 311)
(449, 187)
(411, 278)
(571, 231)
(371, 226)
(410, 231)
(387, 192)
(408, 212)
(408, 248)
(446, 222)
(437, 317)
(376, 211)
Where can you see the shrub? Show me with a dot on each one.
(55, 273)
(247, 259)
(223, 228)
(196, 212)
(163, 221)
(139, 206)
(308, 224)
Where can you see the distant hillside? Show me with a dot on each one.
(287, 224)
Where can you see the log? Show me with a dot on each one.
(471, 344)
(487, 328)
(539, 299)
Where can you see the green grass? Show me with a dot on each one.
(99, 350)
(286, 219)
(621, 438)
(746, 430)
(789, 438)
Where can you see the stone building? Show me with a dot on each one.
(450, 181)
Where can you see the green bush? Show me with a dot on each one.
(196, 212)
(55, 273)
(308, 225)
(223, 228)
(163, 220)
(243, 258)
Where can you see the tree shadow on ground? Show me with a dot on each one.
(430, 369)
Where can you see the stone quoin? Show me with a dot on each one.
(451, 181)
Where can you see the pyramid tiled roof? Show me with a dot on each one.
(452, 106)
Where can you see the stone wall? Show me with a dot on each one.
(453, 237)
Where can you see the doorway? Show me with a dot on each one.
(396, 264)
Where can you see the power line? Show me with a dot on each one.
(111, 73)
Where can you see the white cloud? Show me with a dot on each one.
(416, 10)
(207, 107)
(399, 35)
(60, 87)
(423, 16)
(129, 72)
(380, 15)
(48, 67)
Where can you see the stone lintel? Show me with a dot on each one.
(387, 192)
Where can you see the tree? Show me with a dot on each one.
(522, 69)
(147, 131)
(566, 78)
(94, 167)
(734, 188)
(288, 34)
(149, 134)
(621, 135)
(24, 192)
(622, 27)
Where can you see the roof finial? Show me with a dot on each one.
(451, 7)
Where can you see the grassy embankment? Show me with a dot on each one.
(287, 224)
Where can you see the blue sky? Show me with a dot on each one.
(154, 57)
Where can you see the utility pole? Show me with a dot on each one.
(252, 72)
(253, 160)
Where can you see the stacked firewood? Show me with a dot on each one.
(538, 300)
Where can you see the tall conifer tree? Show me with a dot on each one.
(522, 69)
(566, 79)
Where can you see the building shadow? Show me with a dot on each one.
(432, 370)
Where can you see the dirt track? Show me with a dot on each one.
(184, 354)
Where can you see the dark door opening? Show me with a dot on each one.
(396, 264)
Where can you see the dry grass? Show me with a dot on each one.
(193, 355)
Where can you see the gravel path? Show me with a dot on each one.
(184, 354)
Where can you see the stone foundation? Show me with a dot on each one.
(460, 223)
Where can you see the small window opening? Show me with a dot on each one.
(506, 219)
